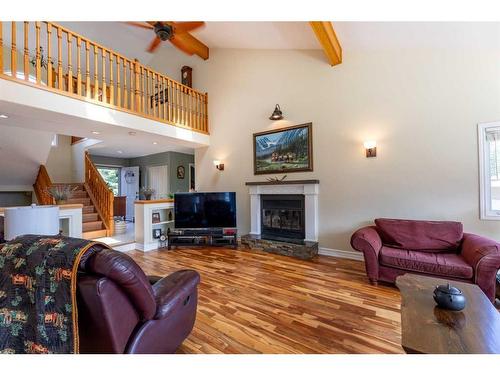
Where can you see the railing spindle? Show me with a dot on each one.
(103, 74)
(50, 82)
(59, 59)
(111, 82)
(125, 93)
(70, 68)
(26, 53)
(87, 69)
(38, 59)
(96, 78)
(13, 55)
(78, 66)
(137, 71)
(118, 82)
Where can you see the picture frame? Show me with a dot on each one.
(283, 150)
(160, 97)
(156, 217)
(181, 172)
(156, 233)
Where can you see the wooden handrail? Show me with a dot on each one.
(41, 186)
(101, 195)
(88, 71)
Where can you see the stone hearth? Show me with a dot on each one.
(305, 250)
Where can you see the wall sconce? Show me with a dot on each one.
(219, 165)
(277, 114)
(371, 148)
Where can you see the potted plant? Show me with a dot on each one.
(61, 193)
(147, 192)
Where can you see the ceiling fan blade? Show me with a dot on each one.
(139, 24)
(187, 26)
(190, 45)
(154, 45)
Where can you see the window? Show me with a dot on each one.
(112, 177)
(489, 170)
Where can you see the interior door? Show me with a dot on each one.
(130, 188)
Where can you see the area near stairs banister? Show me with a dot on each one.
(53, 58)
(93, 194)
(100, 194)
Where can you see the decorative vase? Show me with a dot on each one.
(61, 202)
(148, 196)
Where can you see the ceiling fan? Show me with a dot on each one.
(176, 33)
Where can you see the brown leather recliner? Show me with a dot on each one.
(120, 310)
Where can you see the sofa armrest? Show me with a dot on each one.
(368, 241)
(174, 290)
(483, 255)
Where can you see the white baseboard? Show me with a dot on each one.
(341, 254)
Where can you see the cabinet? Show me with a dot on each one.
(152, 215)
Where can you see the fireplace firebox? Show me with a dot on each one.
(283, 217)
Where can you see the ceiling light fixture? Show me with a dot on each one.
(120, 151)
(132, 133)
(3, 116)
(96, 132)
(155, 143)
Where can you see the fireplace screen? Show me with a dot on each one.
(282, 217)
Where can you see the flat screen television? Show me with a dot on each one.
(205, 210)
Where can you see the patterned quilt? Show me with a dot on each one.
(38, 311)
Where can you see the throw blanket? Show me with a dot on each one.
(38, 311)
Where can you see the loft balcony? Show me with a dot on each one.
(50, 57)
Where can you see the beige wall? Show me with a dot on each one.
(421, 106)
(59, 163)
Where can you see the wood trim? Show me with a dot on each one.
(42, 183)
(328, 39)
(284, 182)
(154, 201)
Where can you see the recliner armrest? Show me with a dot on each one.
(174, 290)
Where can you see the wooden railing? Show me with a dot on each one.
(100, 194)
(41, 186)
(70, 64)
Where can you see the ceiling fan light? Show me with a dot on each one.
(277, 114)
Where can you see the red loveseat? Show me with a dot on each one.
(393, 247)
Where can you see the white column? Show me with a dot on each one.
(254, 210)
(311, 216)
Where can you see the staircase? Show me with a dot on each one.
(92, 226)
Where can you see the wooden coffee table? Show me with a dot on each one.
(428, 329)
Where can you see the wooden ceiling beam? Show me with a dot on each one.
(328, 39)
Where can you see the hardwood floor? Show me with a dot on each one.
(255, 302)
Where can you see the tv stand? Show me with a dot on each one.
(202, 237)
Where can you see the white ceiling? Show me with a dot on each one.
(354, 36)
(21, 153)
(113, 139)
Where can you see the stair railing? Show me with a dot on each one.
(41, 186)
(54, 58)
(101, 195)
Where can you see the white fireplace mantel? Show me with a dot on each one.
(310, 190)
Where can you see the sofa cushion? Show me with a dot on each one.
(431, 236)
(439, 264)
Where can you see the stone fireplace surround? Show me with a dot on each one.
(310, 190)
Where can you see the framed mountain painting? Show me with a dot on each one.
(283, 150)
